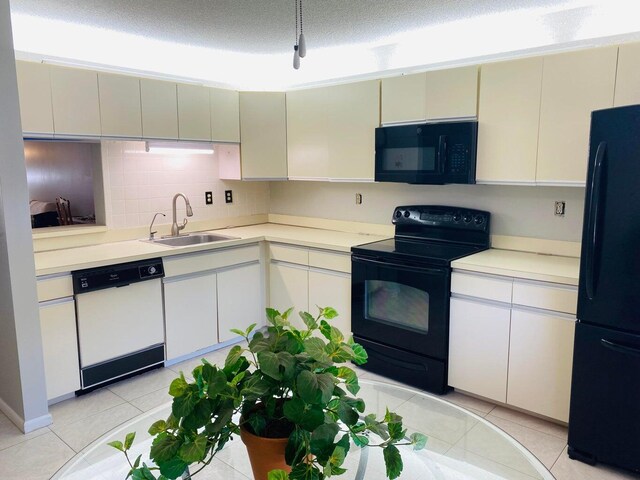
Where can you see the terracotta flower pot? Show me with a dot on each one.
(265, 454)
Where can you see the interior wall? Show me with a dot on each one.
(22, 384)
(61, 169)
(515, 210)
(139, 184)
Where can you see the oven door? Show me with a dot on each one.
(401, 305)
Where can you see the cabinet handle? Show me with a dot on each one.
(592, 226)
(617, 347)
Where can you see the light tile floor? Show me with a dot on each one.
(79, 421)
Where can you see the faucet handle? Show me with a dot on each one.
(184, 224)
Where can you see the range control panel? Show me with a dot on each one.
(119, 275)
(430, 216)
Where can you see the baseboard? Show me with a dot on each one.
(25, 426)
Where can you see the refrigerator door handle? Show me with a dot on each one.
(620, 348)
(594, 208)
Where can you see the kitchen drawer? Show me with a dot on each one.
(202, 262)
(482, 286)
(54, 287)
(559, 298)
(339, 262)
(289, 254)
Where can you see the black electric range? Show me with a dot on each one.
(401, 289)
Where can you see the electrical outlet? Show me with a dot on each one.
(208, 198)
(228, 196)
(559, 208)
(358, 199)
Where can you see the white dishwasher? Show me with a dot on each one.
(120, 320)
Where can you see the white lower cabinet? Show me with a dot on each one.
(331, 289)
(190, 308)
(540, 362)
(289, 287)
(518, 351)
(60, 347)
(479, 348)
(239, 300)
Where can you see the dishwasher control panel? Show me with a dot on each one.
(120, 275)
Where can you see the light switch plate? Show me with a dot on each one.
(559, 208)
(228, 196)
(208, 198)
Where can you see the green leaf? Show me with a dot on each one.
(307, 416)
(296, 450)
(329, 313)
(419, 440)
(194, 451)
(277, 475)
(313, 418)
(128, 441)
(308, 320)
(143, 474)
(178, 386)
(347, 414)
(223, 418)
(360, 354)
(304, 471)
(392, 461)
(272, 313)
(392, 417)
(338, 456)
(376, 427)
(356, 403)
(322, 441)
(360, 440)
(237, 332)
(269, 364)
(164, 447)
(217, 384)
(184, 405)
(315, 388)
(136, 464)
(325, 329)
(350, 379)
(172, 422)
(285, 315)
(232, 358)
(315, 347)
(294, 410)
(396, 432)
(117, 444)
(250, 329)
(172, 468)
(255, 389)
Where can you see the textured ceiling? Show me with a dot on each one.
(266, 26)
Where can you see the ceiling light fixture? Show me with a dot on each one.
(175, 148)
(300, 47)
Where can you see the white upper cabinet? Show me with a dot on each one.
(308, 134)
(225, 115)
(194, 112)
(263, 135)
(354, 114)
(628, 75)
(120, 111)
(508, 117)
(573, 85)
(159, 109)
(452, 93)
(404, 98)
(76, 106)
(34, 88)
(438, 94)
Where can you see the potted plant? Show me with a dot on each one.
(293, 388)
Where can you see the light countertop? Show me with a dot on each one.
(532, 266)
(66, 260)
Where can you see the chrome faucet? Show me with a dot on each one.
(151, 232)
(175, 228)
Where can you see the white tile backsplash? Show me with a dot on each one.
(140, 184)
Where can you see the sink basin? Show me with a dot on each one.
(191, 239)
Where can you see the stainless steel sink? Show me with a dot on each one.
(191, 239)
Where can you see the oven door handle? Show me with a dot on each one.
(400, 264)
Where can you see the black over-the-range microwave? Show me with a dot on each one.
(427, 153)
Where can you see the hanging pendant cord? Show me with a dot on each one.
(300, 17)
(296, 15)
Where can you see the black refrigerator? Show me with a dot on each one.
(604, 418)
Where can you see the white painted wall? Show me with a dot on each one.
(516, 210)
(22, 384)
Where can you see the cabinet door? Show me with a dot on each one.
(354, 114)
(479, 348)
(404, 98)
(308, 134)
(74, 97)
(34, 89)
(194, 112)
(159, 109)
(190, 310)
(120, 111)
(540, 362)
(508, 117)
(331, 289)
(225, 115)
(627, 75)
(263, 135)
(573, 85)
(240, 294)
(289, 287)
(60, 347)
(452, 93)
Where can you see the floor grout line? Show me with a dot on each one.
(62, 440)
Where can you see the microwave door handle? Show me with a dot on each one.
(442, 153)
